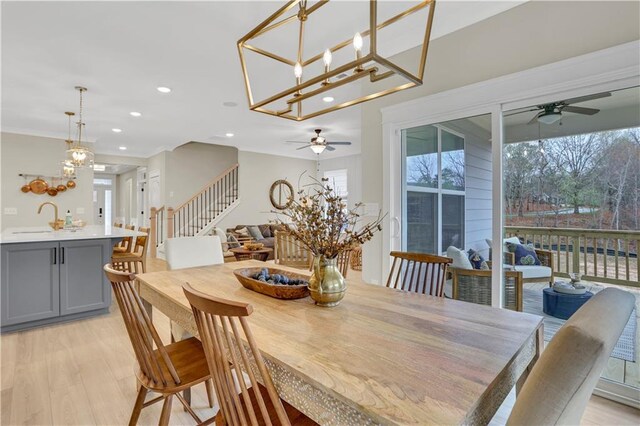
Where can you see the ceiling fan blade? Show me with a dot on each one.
(520, 112)
(580, 110)
(295, 142)
(330, 148)
(303, 147)
(586, 98)
(338, 143)
(534, 119)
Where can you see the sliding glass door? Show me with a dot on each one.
(433, 189)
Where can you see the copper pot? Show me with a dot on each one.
(71, 184)
(25, 188)
(52, 191)
(38, 186)
(61, 188)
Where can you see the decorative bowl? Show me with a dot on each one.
(253, 246)
(279, 291)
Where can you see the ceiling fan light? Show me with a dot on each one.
(318, 148)
(550, 117)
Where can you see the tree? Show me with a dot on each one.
(577, 156)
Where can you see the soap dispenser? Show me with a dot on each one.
(68, 219)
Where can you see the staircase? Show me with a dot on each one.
(199, 215)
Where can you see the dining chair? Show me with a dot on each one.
(129, 261)
(191, 252)
(343, 261)
(120, 247)
(229, 348)
(418, 273)
(289, 252)
(562, 380)
(474, 286)
(166, 370)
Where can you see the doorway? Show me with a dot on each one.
(103, 199)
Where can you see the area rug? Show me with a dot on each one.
(625, 349)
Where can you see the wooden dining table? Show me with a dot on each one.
(382, 356)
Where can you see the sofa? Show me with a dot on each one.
(267, 232)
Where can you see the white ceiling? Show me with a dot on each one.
(122, 51)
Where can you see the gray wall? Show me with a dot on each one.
(191, 166)
(530, 35)
(39, 155)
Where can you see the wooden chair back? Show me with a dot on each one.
(127, 241)
(289, 252)
(229, 345)
(418, 273)
(142, 333)
(142, 241)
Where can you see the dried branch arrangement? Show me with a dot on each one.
(320, 221)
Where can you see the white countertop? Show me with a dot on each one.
(44, 233)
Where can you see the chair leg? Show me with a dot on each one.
(209, 386)
(137, 408)
(166, 411)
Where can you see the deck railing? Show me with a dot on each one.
(606, 256)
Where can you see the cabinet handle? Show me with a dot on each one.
(62, 255)
(55, 255)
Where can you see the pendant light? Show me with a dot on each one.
(79, 155)
(68, 169)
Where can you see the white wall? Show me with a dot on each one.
(518, 39)
(353, 164)
(39, 155)
(257, 173)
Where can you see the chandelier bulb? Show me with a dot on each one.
(357, 42)
(327, 57)
(297, 70)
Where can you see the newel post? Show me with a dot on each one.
(170, 222)
(153, 219)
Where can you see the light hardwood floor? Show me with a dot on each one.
(81, 373)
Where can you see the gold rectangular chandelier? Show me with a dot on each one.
(312, 69)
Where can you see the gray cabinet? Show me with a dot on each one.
(30, 282)
(80, 272)
(46, 282)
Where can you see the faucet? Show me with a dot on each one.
(53, 224)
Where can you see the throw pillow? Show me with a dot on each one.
(477, 261)
(524, 255)
(233, 242)
(460, 259)
(244, 232)
(265, 230)
(255, 233)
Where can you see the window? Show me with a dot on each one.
(433, 189)
(337, 179)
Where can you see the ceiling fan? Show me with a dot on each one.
(319, 143)
(552, 112)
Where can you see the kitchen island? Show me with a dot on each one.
(52, 276)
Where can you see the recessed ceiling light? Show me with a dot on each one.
(135, 114)
(163, 89)
(230, 104)
(122, 148)
(229, 135)
(328, 99)
(116, 130)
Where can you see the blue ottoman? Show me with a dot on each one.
(562, 305)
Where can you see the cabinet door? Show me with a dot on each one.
(30, 282)
(83, 285)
